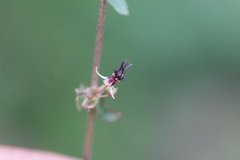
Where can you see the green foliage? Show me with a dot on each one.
(106, 113)
(120, 6)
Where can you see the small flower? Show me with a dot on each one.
(85, 98)
(117, 76)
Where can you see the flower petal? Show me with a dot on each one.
(103, 77)
(111, 91)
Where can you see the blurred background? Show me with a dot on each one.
(180, 100)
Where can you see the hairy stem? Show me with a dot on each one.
(96, 63)
(89, 135)
(99, 40)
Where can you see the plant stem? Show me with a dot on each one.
(99, 40)
(89, 135)
(96, 63)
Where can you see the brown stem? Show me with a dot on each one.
(99, 40)
(96, 63)
(89, 135)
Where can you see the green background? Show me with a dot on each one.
(180, 100)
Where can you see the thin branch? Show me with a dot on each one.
(89, 135)
(99, 40)
(96, 63)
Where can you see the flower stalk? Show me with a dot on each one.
(94, 83)
(99, 41)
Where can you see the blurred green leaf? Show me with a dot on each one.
(120, 6)
(106, 113)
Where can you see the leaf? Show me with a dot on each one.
(106, 113)
(120, 6)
